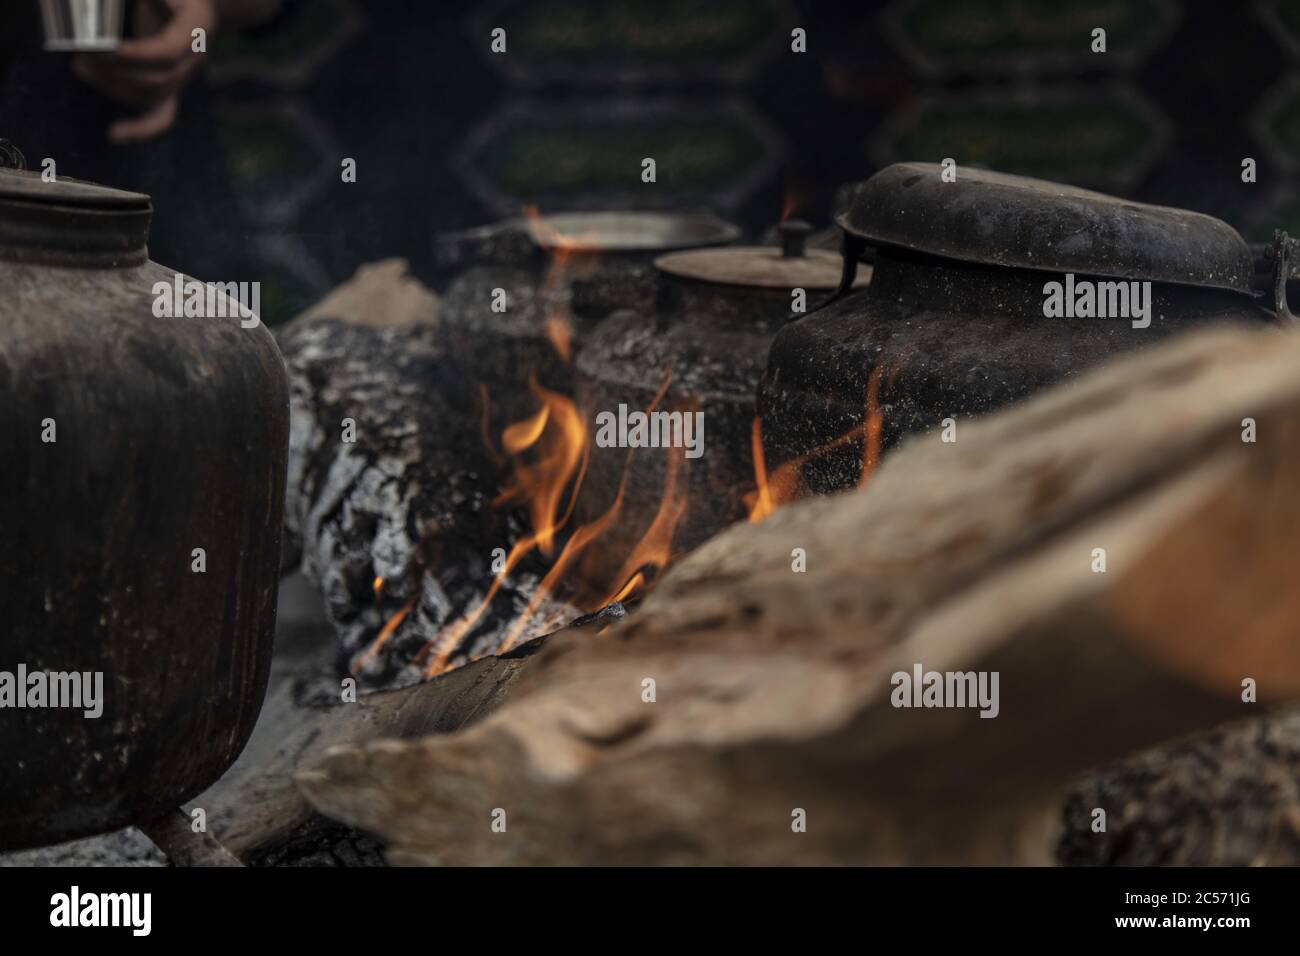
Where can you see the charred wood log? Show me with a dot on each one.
(1113, 552)
(172, 833)
(390, 483)
(257, 811)
(1230, 797)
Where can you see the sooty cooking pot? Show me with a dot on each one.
(128, 442)
(704, 341)
(560, 274)
(953, 322)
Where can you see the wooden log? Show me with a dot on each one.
(390, 482)
(256, 808)
(174, 835)
(774, 688)
(256, 811)
(1230, 797)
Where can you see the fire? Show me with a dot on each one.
(549, 452)
(772, 492)
(785, 484)
(545, 456)
(560, 334)
(792, 201)
(873, 423)
(558, 436)
(653, 551)
(390, 626)
(571, 254)
(524, 434)
(556, 439)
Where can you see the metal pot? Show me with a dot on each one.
(130, 442)
(704, 343)
(954, 323)
(560, 275)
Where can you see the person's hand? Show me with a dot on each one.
(151, 69)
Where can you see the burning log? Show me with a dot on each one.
(1107, 562)
(438, 530)
(1230, 797)
(391, 486)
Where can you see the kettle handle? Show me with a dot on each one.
(1282, 250)
(11, 157)
(851, 249)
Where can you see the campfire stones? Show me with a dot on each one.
(953, 324)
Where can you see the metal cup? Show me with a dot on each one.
(82, 25)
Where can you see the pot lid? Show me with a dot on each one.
(27, 185)
(628, 231)
(71, 222)
(760, 266)
(788, 266)
(1019, 222)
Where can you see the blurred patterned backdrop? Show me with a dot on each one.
(448, 135)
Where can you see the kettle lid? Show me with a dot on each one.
(68, 221)
(1019, 222)
(28, 186)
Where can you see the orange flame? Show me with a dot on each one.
(771, 492)
(572, 255)
(560, 334)
(785, 483)
(873, 423)
(788, 206)
(385, 633)
(654, 549)
(524, 434)
(573, 548)
(556, 438)
(548, 454)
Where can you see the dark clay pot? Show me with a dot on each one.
(171, 434)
